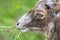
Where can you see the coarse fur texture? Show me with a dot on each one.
(44, 17)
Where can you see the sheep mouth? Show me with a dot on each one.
(32, 29)
(24, 29)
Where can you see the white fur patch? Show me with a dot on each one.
(50, 3)
(24, 30)
(25, 19)
(51, 25)
(58, 14)
(40, 7)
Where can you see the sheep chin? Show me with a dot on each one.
(24, 30)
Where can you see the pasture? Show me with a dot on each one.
(10, 12)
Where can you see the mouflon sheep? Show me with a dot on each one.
(44, 17)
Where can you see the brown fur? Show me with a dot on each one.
(50, 24)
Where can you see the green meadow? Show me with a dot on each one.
(10, 12)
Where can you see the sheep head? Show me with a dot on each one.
(39, 18)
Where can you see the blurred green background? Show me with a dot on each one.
(10, 12)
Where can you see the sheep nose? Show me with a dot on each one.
(18, 23)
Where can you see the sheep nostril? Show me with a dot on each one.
(17, 23)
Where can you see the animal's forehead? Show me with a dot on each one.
(34, 11)
(40, 6)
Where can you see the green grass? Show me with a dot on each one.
(13, 34)
(10, 12)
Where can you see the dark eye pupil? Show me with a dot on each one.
(40, 15)
(17, 23)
